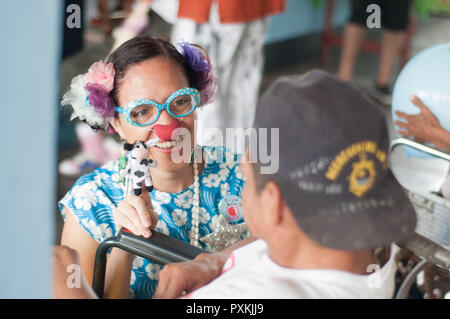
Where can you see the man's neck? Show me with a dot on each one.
(303, 253)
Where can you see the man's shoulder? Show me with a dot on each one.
(256, 246)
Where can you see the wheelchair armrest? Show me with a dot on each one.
(159, 248)
(418, 146)
(426, 249)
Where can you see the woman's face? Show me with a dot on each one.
(154, 79)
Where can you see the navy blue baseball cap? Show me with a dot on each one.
(333, 169)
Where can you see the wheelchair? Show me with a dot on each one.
(423, 261)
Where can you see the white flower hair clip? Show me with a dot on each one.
(89, 95)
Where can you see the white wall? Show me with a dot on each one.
(301, 18)
(29, 61)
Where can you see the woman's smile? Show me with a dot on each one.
(169, 146)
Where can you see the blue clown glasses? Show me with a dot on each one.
(144, 112)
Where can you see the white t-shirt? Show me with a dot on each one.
(250, 273)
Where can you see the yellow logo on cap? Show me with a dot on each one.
(363, 174)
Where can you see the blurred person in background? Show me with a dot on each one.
(394, 21)
(233, 33)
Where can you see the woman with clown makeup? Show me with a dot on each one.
(148, 92)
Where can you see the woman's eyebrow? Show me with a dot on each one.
(155, 100)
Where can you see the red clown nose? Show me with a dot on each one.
(164, 132)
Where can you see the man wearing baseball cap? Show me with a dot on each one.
(327, 220)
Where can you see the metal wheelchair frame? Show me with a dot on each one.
(159, 248)
(429, 251)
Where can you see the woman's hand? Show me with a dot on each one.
(421, 127)
(136, 214)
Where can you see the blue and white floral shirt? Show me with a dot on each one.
(94, 196)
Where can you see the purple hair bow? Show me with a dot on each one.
(100, 99)
(199, 63)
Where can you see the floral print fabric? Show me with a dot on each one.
(94, 196)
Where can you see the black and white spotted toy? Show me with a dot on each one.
(137, 168)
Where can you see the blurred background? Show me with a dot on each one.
(46, 43)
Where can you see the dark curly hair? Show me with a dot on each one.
(193, 61)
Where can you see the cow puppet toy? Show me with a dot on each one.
(137, 167)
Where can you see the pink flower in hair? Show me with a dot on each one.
(101, 74)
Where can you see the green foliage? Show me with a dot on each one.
(425, 7)
(316, 3)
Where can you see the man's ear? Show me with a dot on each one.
(272, 202)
